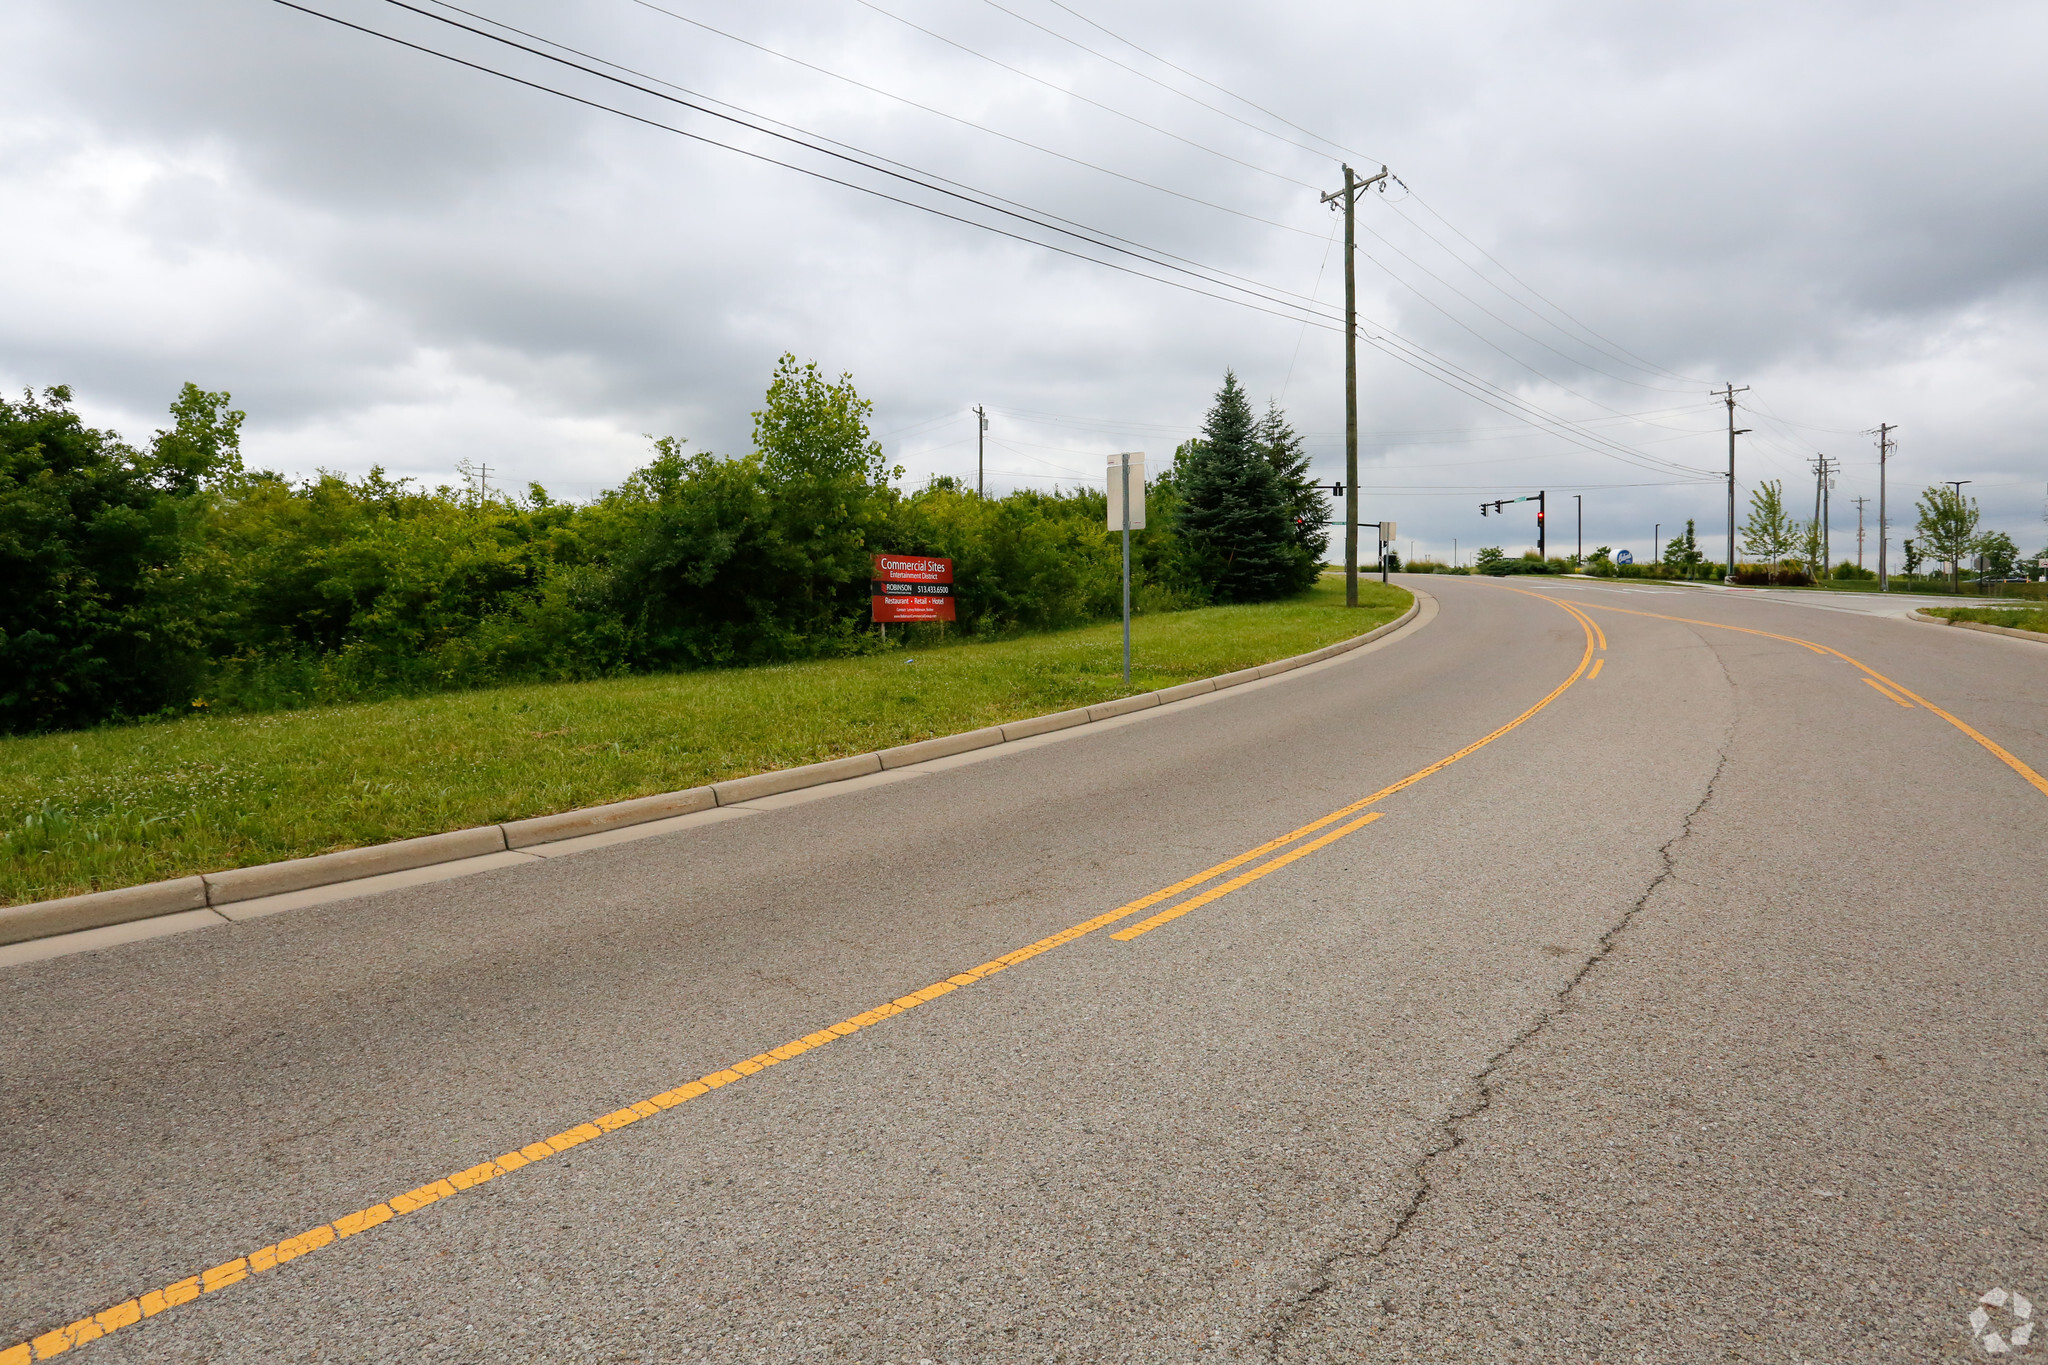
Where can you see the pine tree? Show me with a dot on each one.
(1308, 506)
(1234, 508)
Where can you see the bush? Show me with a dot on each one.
(1777, 576)
(145, 583)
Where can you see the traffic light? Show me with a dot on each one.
(1482, 509)
(1337, 489)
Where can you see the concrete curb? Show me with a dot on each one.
(2036, 636)
(71, 914)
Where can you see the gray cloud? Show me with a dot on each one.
(391, 260)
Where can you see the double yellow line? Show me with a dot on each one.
(266, 1259)
(1898, 692)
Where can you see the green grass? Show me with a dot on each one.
(98, 809)
(2018, 618)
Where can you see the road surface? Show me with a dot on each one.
(1696, 1010)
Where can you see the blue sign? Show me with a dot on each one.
(1624, 557)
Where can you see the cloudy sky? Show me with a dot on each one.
(1602, 211)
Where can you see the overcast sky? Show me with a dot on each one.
(390, 259)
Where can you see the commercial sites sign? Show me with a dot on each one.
(912, 588)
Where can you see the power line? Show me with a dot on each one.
(1570, 360)
(1340, 147)
(1074, 94)
(1618, 352)
(1650, 366)
(1150, 255)
(1392, 344)
(1126, 66)
(852, 156)
(956, 118)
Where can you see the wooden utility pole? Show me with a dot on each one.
(1729, 394)
(980, 444)
(1353, 187)
(1884, 450)
(1822, 468)
(1859, 531)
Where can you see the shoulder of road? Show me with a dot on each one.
(102, 919)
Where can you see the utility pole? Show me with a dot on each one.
(1824, 502)
(1353, 187)
(1819, 500)
(980, 446)
(1656, 542)
(1859, 531)
(1729, 394)
(1579, 504)
(1884, 450)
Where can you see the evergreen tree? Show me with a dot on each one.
(1234, 508)
(1308, 505)
(1683, 552)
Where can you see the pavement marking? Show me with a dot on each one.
(1592, 631)
(1888, 692)
(1146, 926)
(230, 1273)
(2005, 756)
(1596, 669)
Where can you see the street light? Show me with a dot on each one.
(1733, 432)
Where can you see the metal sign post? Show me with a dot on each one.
(1127, 518)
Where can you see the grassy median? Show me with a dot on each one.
(2017, 618)
(98, 809)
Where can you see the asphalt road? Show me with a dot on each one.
(1699, 1016)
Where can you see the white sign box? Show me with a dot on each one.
(1136, 460)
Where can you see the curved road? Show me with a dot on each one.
(1696, 1014)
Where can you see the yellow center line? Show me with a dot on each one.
(229, 1273)
(1596, 669)
(1592, 631)
(2011, 760)
(1889, 693)
(1146, 926)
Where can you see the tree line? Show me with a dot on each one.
(156, 579)
(1947, 530)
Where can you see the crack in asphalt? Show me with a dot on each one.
(1452, 1127)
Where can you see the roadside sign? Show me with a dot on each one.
(1116, 491)
(912, 588)
(1387, 531)
(1624, 557)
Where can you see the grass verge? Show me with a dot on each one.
(2018, 618)
(99, 809)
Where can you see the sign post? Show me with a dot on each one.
(1123, 516)
(911, 588)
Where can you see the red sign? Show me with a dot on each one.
(912, 588)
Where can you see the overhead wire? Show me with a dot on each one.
(966, 122)
(1075, 94)
(1559, 309)
(1266, 294)
(1309, 132)
(1392, 344)
(1143, 76)
(1618, 352)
